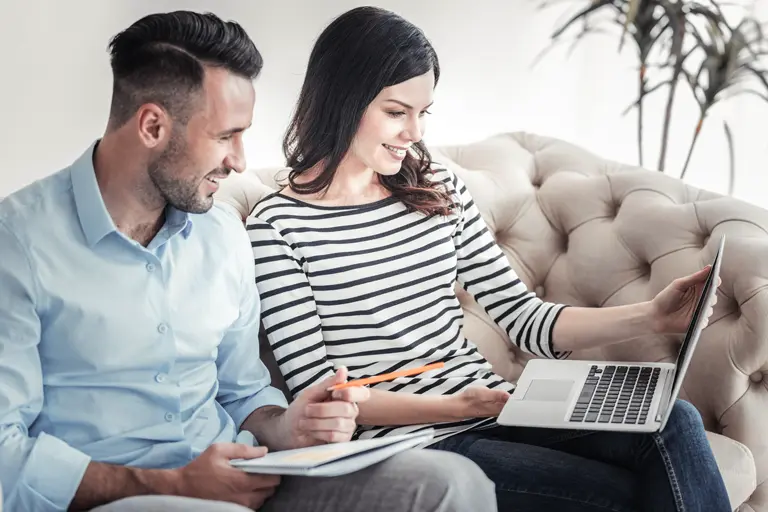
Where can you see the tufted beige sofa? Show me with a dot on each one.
(585, 231)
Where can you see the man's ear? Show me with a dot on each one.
(154, 125)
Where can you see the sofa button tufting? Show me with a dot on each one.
(756, 377)
(613, 208)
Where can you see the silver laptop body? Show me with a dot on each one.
(601, 395)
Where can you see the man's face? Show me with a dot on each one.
(187, 171)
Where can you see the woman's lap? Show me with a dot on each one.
(535, 478)
(586, 470)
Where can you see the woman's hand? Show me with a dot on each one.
(479, 402)
(672, 309)
(319, 416)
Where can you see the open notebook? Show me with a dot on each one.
(333, 459)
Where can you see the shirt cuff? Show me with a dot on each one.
(553, 354)
(52, 474)
(241, 409)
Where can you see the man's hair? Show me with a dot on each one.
(160, 59)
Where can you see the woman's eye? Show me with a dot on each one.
(396, 114)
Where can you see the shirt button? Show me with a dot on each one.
(150, 267)
(162, 328)
(168, 417)
(160, 377)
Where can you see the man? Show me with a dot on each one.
(129, 318)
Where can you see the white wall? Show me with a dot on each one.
(56, 83)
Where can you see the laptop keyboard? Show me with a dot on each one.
(616, 394)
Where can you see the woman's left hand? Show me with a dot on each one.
(672, 309)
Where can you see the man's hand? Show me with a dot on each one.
(211, 477)
(320, 416)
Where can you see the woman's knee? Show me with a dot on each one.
(685, 415)
(449, 482)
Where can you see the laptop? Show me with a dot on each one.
(604, 395)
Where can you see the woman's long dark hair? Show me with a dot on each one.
(357, 55)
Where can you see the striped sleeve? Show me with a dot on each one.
(484, 272)
(289, 313)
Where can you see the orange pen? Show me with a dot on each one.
(386, 376)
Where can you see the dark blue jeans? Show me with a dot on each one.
(538, 469)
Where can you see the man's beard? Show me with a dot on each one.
(182, 194)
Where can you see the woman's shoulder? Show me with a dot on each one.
(439, 172)
(270, 205)
(450, 181)
(442, 174)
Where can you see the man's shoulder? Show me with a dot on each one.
(38, 204)
(222, 234)
(221, 227)
(221, 221)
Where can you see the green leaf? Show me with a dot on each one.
(632, 12)
(549, 3)
(661, 32)
(693, 83)
(702, 44)
(646, 92)
(634, 9)
(597, 4)
(759, 73)
(760, 95)
(582, 34)
(731, 157)
(740, 32)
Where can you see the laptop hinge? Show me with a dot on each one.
(666, 394)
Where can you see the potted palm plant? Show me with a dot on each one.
(694, 44)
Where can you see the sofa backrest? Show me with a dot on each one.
(582, 230)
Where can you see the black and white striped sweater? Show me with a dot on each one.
(371, 287)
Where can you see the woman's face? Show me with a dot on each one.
(393, 121)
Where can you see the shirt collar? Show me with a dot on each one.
(178, 221)
(94, 217)
(92, 212)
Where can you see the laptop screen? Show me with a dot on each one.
(699, 316)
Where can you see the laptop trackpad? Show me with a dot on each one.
(549, 390)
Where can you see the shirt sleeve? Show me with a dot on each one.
(37, 473)
(484, 271)
(244, 380)
(290, 316)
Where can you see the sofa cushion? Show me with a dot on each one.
(737, 466)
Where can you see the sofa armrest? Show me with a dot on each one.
(728, 377)
(582, 230)
(648, 228)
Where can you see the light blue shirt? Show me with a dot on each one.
(113, 352)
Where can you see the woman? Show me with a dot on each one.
(356, 261)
